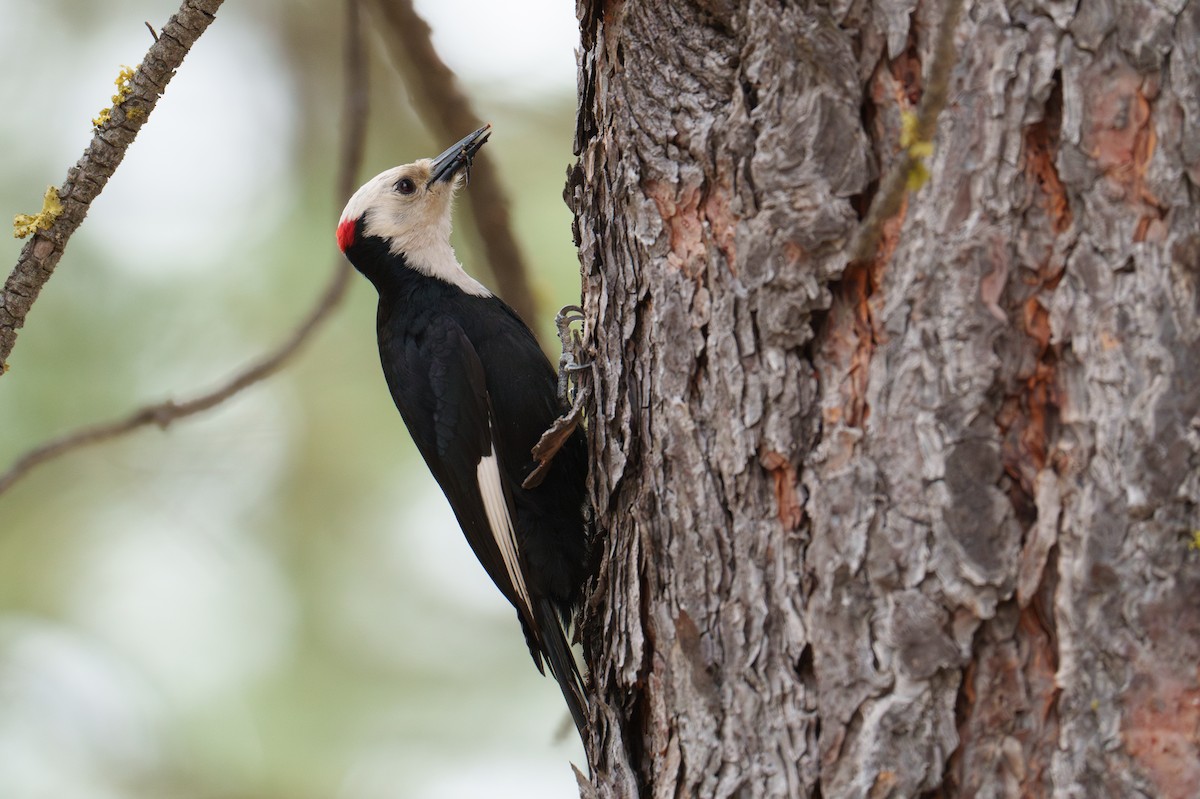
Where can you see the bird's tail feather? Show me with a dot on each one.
(557, 653)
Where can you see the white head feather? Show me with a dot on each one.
(415, 225)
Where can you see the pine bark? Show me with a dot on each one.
(912, 526)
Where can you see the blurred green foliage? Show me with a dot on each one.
(271, 600)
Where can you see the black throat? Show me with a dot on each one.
(371, 256)
(404, 292)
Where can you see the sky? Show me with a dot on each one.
(524, 46)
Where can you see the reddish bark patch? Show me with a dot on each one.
(1160, 710)
(1041, 395)
(611, 10)
(1028, 413)
(1116, 134)
(858, 286)
(1008, 724)
(1043, 403)
(1119, 134)
(1037, 322)
(787, 500)
(722, 222)
(884, 785)
(693, 218)
(1039, 649)
(854, 332)
(1026, 419)
(906, 69)
(1041, 149)
(1161, 729)
(683, 219)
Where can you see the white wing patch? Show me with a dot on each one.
(487, 474)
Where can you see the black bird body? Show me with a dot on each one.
(476, 393)
(468, 376)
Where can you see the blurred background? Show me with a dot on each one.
(271, 599)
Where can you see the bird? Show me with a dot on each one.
(476, 393)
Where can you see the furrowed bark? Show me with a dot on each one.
(917, 524)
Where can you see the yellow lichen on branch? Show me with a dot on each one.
(124, 84)
(918, 149)
(26, 225)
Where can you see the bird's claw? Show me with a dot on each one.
(571, 344)
(569, 312)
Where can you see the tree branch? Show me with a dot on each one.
(895, 184)
(88, 177)
(450, 117)
(354, 135)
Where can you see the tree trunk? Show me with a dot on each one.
(918, 525)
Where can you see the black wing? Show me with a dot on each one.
(437, 382)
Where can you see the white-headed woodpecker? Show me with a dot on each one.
(476, 393)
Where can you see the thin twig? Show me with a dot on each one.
(164, 413)
(88, 177)
(892, 189)
(356, 110)
(450, 117)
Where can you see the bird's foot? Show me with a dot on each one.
(572, 346)
(552, 440)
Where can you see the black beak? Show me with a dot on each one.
(446, 165)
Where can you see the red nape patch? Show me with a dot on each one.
(345, 233)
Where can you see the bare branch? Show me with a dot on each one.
(448, 113)
(893, 187)
(356, 110)
(164, 413)
(88, 177)
(354, 136)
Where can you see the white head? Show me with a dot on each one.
(408, 208)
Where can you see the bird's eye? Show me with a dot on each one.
(406, 186)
